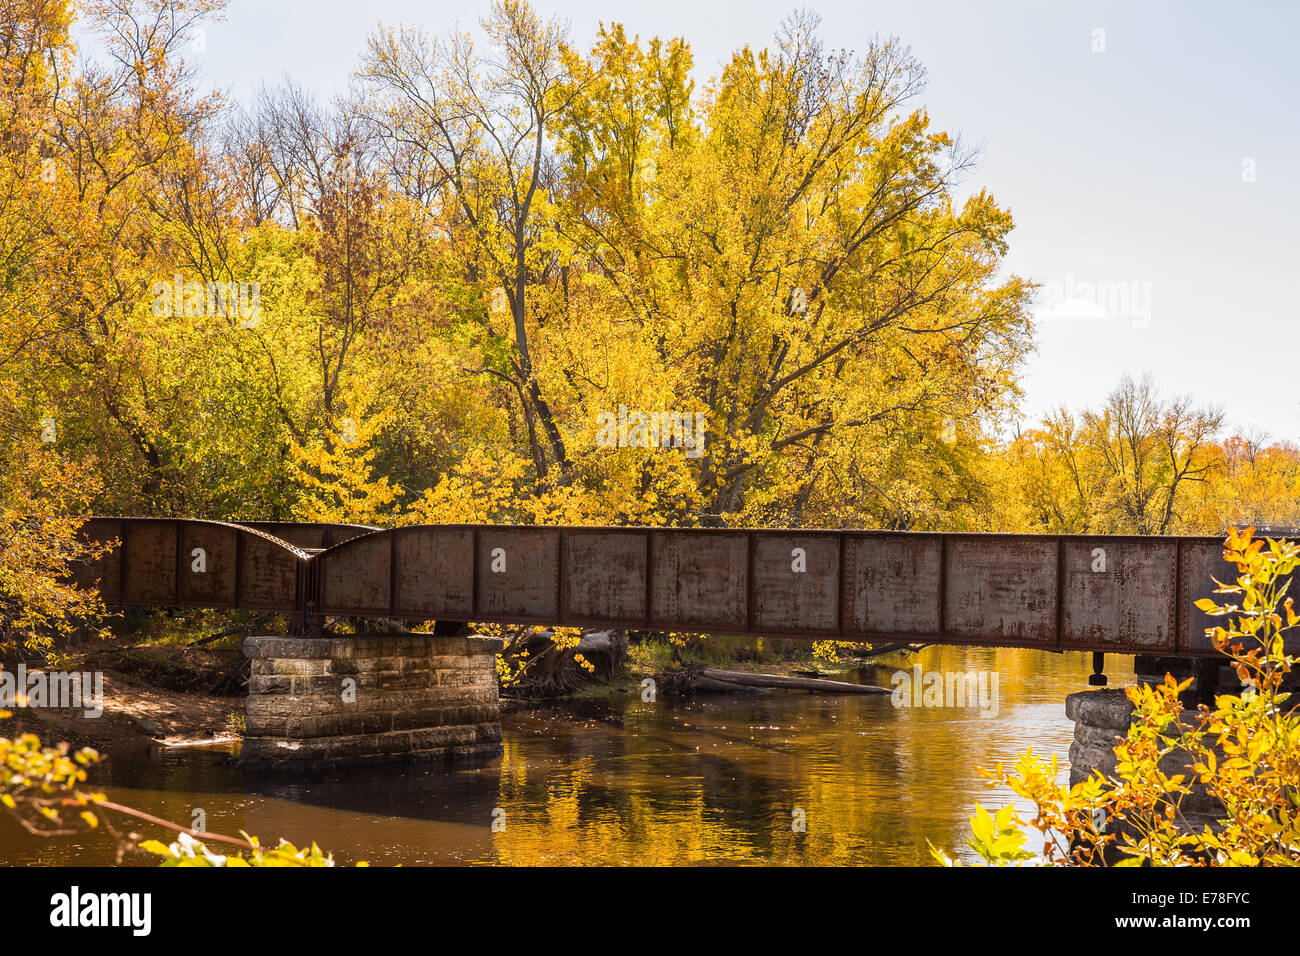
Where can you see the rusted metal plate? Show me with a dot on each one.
(1000, 590)
(699, 579)
(1119, 592)
(435, 573)
(518, 575)
(605, 577)
(156, 564)
(149, 561)
(891, 585)
(268, 573)
(356, 577)
(209, 564)
(105, 572)
(1201, 561)
(795, 582)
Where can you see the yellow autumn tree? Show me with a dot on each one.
(778, 257)
(43, 501)
(1138, 464)
(337, 475)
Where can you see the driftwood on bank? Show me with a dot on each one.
(877, 650)
(609, 644)
(694, 678)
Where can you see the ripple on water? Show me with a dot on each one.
(715, 780)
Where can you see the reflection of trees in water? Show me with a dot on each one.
(625, 781)
(715, 781)
(718, 780)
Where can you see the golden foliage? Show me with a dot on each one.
(1245, 751)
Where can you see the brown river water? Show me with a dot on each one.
(719, 780)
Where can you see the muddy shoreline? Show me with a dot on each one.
(151, 695)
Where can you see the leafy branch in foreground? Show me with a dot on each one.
(1245, 752)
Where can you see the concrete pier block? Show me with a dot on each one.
(1101, 718)
(363, 698)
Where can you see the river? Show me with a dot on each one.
(714, 781)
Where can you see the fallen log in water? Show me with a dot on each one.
(723, 686)
(790, 683)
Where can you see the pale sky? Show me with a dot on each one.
(1154, 184)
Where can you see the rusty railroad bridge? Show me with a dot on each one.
(429, 693)
(1116, 594)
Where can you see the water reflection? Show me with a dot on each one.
(717, 780)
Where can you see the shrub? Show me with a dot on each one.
(1245, 751)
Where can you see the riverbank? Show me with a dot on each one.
(151, 693)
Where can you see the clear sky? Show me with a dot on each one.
(1153, 169)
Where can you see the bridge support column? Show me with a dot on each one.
(328, 702)
(1101, 718)
(1098, 676)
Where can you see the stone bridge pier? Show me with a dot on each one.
(1102, 717)
(333, 701)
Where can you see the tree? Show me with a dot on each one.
(90, 240)
(484, 124)
(338, 476)
(1129, 467)
(796, 268)
(1148, 451)
(1257, 484)
(43, 498)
